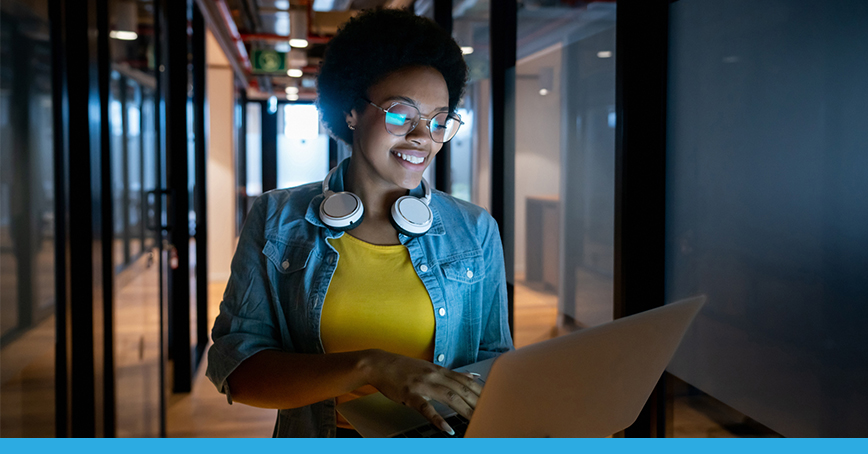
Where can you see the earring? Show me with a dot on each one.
(352, 128)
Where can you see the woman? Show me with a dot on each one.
(406, 284)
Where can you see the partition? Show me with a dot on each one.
(767, 207)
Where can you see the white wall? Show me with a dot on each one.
(221, 167)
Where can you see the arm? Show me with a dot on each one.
(275, 379)
(278, 379)
(496, 337)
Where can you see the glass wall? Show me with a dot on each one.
(767, 208)
(253, 148)
(132, 126)
(27, 299)
(302, 145)
(564, 161)
(470, 152)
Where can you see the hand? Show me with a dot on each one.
(413, 382)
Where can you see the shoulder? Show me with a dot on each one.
(281, 207)
(457, 213)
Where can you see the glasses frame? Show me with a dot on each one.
(454, 116)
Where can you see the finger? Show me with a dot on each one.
(427, 410)
(473, 386)
(463, 405)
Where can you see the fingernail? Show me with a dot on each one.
(446, 428)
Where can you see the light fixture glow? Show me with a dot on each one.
(604, 54)
(543, 91)
(292, 97)
(466, 50)
(295, 73)
(297, 42)
(290, 90)
(281, 4)
(122, 35)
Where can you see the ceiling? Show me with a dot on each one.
(270, 24)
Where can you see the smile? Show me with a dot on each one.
(410, 159)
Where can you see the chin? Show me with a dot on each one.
(410, 183)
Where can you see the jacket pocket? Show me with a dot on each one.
(287, 258)
(466, 268)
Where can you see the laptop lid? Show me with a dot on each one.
(590, 383)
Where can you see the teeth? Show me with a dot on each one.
(411, 159)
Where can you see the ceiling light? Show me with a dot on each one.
(323, 5)
(125, 36)
(466, 50)
(295, 73)
(298, 42)
(543, 91)
(604, 54)
(290, 90)
(292, 97)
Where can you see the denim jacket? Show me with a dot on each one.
(283, 266)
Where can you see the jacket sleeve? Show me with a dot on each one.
(496, 338)
(246, 324)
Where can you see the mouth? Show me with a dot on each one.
(413, 158)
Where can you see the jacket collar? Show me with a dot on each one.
(337, 185)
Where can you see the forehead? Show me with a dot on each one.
(423, 84)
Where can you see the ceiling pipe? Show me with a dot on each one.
(233, 33)
(281, 38)
(215, 19)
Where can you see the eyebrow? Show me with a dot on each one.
(413, 102)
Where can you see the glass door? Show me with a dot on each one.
(138, 212)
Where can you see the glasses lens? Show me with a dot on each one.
(444, 127)
(400, 119)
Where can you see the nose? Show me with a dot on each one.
(419, 135)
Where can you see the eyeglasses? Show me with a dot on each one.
(402, 118)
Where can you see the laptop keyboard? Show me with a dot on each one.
(457, 422)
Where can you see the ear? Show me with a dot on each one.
(352, 118)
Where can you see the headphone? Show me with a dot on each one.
(344, 210)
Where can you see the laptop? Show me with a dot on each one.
(590, 383)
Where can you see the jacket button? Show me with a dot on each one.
(423, 268)
(441, 357)
(442, 312)
(285, 264)
(469, 274)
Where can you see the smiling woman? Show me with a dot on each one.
(348, 287)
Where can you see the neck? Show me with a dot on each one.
(377, 196)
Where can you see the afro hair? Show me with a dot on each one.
(371, 46)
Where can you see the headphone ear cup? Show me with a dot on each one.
(411, 216)
(341, 211)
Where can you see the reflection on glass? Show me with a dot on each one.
(469, 150)
(564, 161)
(27, 299)
(767, 208)
(134, 174)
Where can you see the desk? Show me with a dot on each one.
(542, 235)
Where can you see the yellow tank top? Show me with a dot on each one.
(375, 300)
